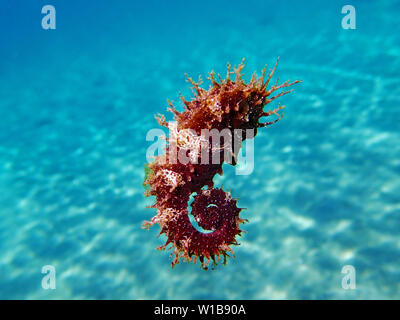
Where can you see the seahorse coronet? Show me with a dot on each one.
(227, 105)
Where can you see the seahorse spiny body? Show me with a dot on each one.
(228, 104)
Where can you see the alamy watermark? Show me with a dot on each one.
(49, 280)
(211, 146)
(349, 20)
(49, 20)
(349, 280)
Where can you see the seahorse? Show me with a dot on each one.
(229, 104)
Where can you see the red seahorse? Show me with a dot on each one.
(228, 104)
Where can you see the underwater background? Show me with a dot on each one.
(76, 104)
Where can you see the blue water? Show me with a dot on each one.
(76, 104)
